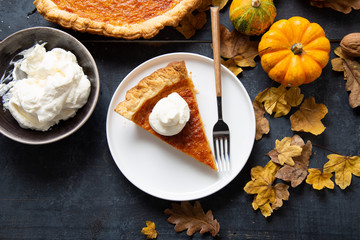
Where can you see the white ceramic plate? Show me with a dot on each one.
(163, 171)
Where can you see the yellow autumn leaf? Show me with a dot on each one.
(266, 210)
(274, 100)
(280, 192)
(343, 167)
(285, 151)
(294, 97)
(279, 100)
(308, 117)
(231, 65)
(267, 197)
(319, 180)
(149, 230)
(220, 3)
(261, 183)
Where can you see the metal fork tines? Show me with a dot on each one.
(221, 138)
(221, 134)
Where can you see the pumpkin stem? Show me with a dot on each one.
(255, 3)
(297, 48)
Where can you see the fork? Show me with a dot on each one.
(221, 133)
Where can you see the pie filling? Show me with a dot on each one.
(117, 12)
(191, 139)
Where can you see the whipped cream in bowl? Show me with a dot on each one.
(170, 115)
(49, 88)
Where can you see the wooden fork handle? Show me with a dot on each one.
(215, 29)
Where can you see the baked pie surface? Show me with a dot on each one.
(128, 19)
(140, 100)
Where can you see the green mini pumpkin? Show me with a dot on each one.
(252, 17)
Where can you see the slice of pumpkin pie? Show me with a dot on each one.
(164, 104)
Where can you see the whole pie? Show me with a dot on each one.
(141, 99)
(128, 19)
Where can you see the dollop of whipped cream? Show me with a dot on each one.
(47, 86)
(170, 115)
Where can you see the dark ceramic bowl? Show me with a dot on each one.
(25, 39)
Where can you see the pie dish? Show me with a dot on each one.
(141, 99)
(129, 19)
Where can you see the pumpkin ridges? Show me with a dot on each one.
(313, 32)
(276, 36)
(300, 26)
(295, 72)
(270, 59)
(283, 26)
(312, 70)
(240, 22)
(251, 20)
(321, 43)
(322, 60)
(280, 69)
(294, 69)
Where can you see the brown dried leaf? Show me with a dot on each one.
(351, 70)
(185, 216)
(230, 42)
(191, 23)
(352, 77)
(281, 193)
(238, 46)
(246, 54)
(204, 5)
(308, 117)
(262, 124)
(344, 6)
(297, 173)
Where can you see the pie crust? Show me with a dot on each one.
(140, 100)
(129, 19)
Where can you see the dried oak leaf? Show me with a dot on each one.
(344, 6)
(297, 173)
(238, 47)
(267, 197)
(308, 117)
(351, 69)
(149, 230)
(204, 5)
(262, 124)
(190, 23)
(284, 152)
(319, 180)
(279, 100)
(343, 167)
(185, 216)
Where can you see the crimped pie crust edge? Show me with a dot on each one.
(150, 86)
(146, 29)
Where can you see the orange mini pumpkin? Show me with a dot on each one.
(294, 51)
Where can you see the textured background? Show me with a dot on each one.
(72, 189)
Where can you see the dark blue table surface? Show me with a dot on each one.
(72, 189)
